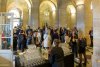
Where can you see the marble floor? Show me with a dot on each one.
(89, 52)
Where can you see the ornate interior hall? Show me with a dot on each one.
(39, 23)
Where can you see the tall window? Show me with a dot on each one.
(17, 17)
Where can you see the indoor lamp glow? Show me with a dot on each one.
(72, 9)
(80, 2)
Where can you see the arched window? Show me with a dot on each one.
(16, 17)
(47, 13)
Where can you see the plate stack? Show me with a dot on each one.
(31, 57)
(66, 49)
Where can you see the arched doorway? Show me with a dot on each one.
(17, 17)
(47, 13)
(23, 8)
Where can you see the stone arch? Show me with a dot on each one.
(23, 10)
(47, 10)
(65, 11)
(17, 17)
(12, 6)
(54, 2)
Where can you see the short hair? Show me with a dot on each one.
(57, 41)
(21, 31)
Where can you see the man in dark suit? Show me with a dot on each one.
(56, 56)
(82, 50)
(29, 30)
(91, 37)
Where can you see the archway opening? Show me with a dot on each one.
(16, 16)
(47, 13)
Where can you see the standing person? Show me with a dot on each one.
(73, 44)
(5, 44)
(56, 55)
(34, 37)
(60, 32)
(47, 40)
(91, 37)
(29, 29)
(65, 30)
(24, 42)
(29, 38)
(82, 50)
(18, 30)
(38, 38)
(21, 41)
(55, 35)
(15, 42)
(42, 34)
(75, 31)
(62, 35)
(51, 33)
(15, 29)
(67, 38)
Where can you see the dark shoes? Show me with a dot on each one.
(80, 65)
(84, 64)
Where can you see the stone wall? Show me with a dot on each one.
(3, 5)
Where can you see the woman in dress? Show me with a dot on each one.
(38, 38)
(47, 40)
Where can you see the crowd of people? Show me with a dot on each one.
(45, 38)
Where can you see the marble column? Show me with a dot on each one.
(34, 21)
(30, 17)
(96, 34)
(57, 17)
(58, 14)
(80, 20)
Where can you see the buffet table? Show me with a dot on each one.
(33, 57)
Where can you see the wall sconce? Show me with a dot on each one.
(53, 8)
(72, 9)
(47, 13)
(91, 6)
